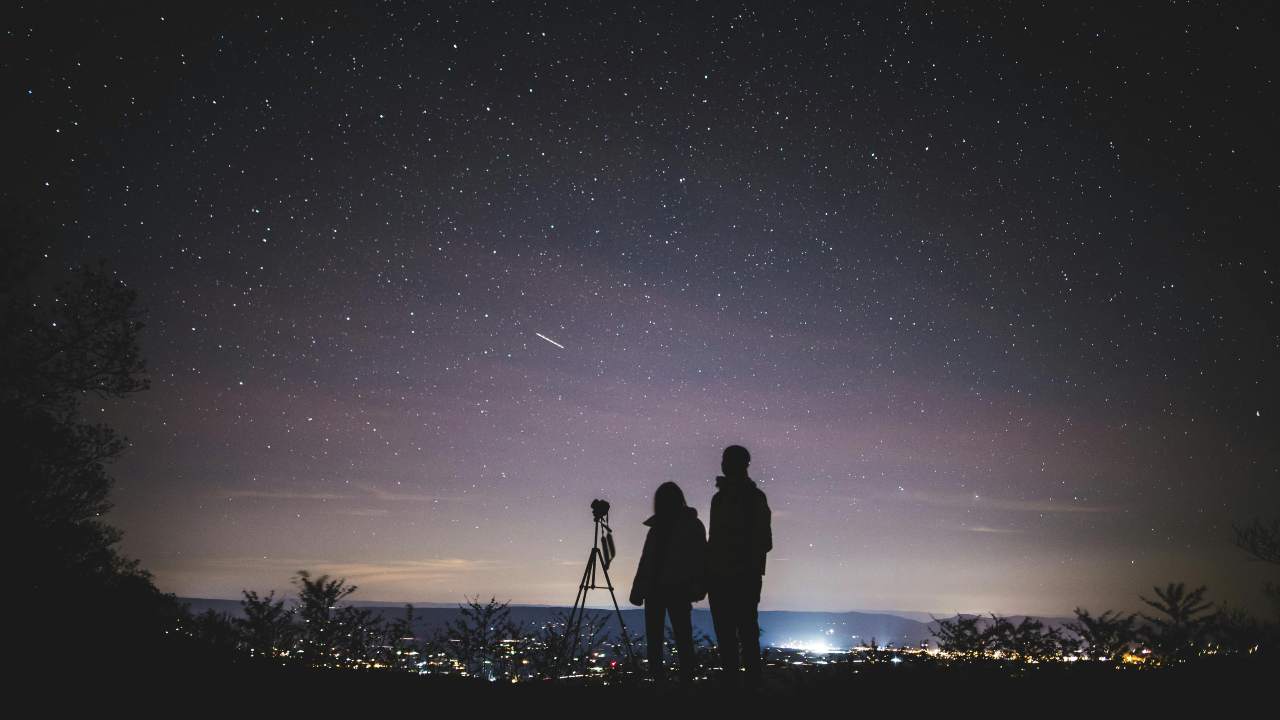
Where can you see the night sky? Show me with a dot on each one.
(989, 294)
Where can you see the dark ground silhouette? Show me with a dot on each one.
(210, 682)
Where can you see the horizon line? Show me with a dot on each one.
(512, 603)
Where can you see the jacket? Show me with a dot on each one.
(673, 561)
(741, 535)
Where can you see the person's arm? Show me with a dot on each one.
(640, 585)
(698, 551)
(766, 519)
(763, 534)
(711, 517)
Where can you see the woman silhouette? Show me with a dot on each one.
(670, 577)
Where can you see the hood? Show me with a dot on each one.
(690, 513)
(724, 483)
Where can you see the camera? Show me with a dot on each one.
(599, 509)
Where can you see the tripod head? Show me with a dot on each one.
(604, 533)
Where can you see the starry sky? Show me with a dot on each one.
(990, 294)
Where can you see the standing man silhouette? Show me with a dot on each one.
(740, 536)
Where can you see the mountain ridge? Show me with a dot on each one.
(810, 629)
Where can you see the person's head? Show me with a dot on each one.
(668, 500)
(735, 461)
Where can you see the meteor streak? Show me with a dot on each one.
(553, 342)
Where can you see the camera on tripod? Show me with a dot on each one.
(604, 533)
(602, 554)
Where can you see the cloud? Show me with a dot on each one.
(380, 494)
(366, 492)
(983, 502)
(359, 573)
(283, 495)
(360, 512)
(985, 529)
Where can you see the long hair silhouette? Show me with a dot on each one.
(668, 500)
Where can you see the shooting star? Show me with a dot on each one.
(553, 342)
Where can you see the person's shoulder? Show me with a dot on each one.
(692, 523)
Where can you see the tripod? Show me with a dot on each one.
(602, 552)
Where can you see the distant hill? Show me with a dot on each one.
(781, 628)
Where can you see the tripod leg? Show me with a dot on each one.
(626, 638)
(573, 625)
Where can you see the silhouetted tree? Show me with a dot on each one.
(360, 638)
(627, 654)
(402, 645)
(321, 640)
(873, 652)
(267, 627)
(963, 637)
(1233, 631)
(1179, 628)
(64, 344)
(1108, 635)
(703, 648)
(216, 630)
(1261, 541)
(481, 638)
(547, 648)
(79, 339)
(1027, 640)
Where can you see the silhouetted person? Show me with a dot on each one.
(740, 538)
(671, 576)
